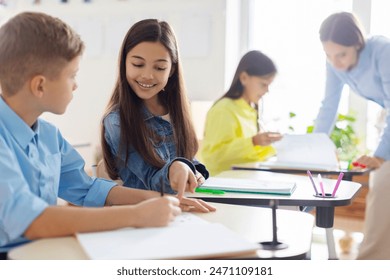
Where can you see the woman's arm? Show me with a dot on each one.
(328, 112)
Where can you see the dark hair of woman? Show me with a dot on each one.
(343, 29)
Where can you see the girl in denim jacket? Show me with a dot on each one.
(147, 126)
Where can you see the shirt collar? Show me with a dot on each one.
(19, 130)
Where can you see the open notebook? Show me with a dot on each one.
(313, 151)
(189, 237)
(243, 185)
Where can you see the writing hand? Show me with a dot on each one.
(167, 208)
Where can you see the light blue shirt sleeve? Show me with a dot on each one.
(75, 185)
(36, 165)
(327, 115)
(19, 207)
(383, 66)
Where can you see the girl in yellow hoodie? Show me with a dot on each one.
(232, 133)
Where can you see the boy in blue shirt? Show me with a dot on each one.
(39, 58)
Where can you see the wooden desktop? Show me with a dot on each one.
(259, 166)
(252, 223)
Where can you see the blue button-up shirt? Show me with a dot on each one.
(138, 173)
(36, 165)
(370, 78)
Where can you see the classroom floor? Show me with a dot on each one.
(344, 229)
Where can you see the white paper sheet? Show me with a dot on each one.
(186, 238)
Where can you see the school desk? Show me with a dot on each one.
(253, 223)
(259, 166)
(302, 196)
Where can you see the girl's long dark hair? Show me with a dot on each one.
(133, 130)
(254, 63)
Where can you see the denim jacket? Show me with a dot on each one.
(138, 173)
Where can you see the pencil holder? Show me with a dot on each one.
(327, 195)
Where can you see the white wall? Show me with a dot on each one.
(199, 25)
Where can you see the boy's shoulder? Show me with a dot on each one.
(2, 127)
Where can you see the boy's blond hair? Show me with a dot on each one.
(34, 44)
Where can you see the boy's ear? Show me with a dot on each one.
(37, 85)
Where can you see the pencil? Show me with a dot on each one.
(337, 183)
(162, 183)
(321, 185)
(312, 181)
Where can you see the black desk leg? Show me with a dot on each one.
(274, 244)
(325, 219)
(347, 177)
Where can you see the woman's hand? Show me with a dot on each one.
(266, 138)
(370, 162)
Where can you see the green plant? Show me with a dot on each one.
(344, 137)
(291, 116)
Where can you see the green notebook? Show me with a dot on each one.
(249, 186)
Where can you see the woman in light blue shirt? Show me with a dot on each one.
(364, 65)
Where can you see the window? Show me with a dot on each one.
(287, 31)
(380, 22)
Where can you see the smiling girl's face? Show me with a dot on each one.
(148, 67)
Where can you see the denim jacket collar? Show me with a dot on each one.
(146, 114)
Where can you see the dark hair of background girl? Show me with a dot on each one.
(254, 63)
